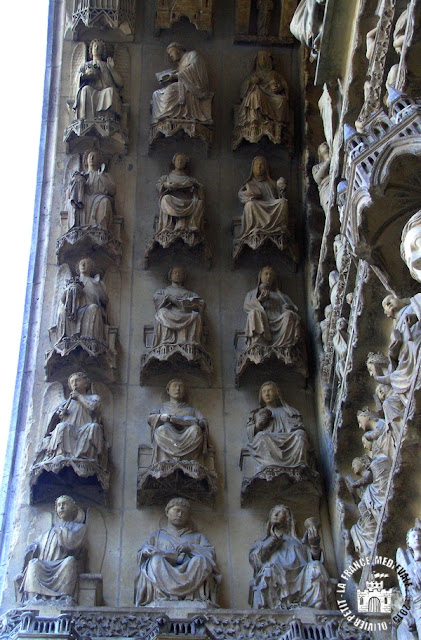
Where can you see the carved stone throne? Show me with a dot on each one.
(168, 127)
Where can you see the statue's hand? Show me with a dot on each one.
(75, 395)
(148, 551)
(110, 63)
(183, 548)
(410, 320)
(31, 548)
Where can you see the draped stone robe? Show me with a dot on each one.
(178, 324)
(169, 575)
(185, 98)
(171, 442)
(89, 316)
(60, 555)
(90, 199)
(98, 90)
(181, 203)
(286, 573)
(274, 322)
(268, 214)
(282, 443)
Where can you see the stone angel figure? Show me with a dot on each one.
(264, 108)
(288, 571)
(73, 445)
(86, 314)
(99, 75)
(176, 563)
(55, 566)
(410, 583)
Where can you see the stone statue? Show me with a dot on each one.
(288, 571)
(181, 207)
(393, 79)
(264, 13)
(340, 345)
(411, 245)
(99, 86)
(410, 560)
(82, 308)
(54, 561)
(275, 432)
(179, 312)
(377, 437)
(321, 175)
(187, 93)
(272, 318)
(75, 434)
(265, 213)
(325, 325)
(176, 563)
(91, 194)
(264, 108)
(178, 328)
(178, 430)
(374, 478)
(306, 24)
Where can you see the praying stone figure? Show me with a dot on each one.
(177, 565)
(288, 571)
(54, 561)
(264, 108)
(410, 583)
(273, 327)
(178, 329)
(370, 492)
(74, 439)
(181, 208)
(265, 214)
(184, 103)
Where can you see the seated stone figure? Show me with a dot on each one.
(265, 213)
(54, 561)
(275, 432)
(98, 86)
(177, 564)
(179, 432)
(178, 317)
(264, 108)
(288, 571)
(75, 430)
(90, 194)
(186, 95)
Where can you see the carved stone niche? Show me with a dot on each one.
(89, 223)
(181, 221)
(382, 188)
(265, 222)
(73, 450)
(31, 626)
(192, 117)
(180, 459)
(86, 312)
(264, 21)
(274, 332)
(176, 340)
(100, 75)
(100, 15)
(277, 459)
(54, 564)
(264, 108)
(198, 12)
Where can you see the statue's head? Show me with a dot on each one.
(376, 362)
(382, 391)
(66, 508)
(85, 266)
(79, 381)
(392, 305)
(176, 389)
(323, 151)
(176, 275)
(269, 393)
(175, 50)
(341, 324)
(180, 161)
(360, 464)
(280, 517)
(366, 419)
(267, 277)
(178, 512)
(411, 245)
(264, 60)
(98, 48)
(413, 537)
(259, 167)
(93, 159)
